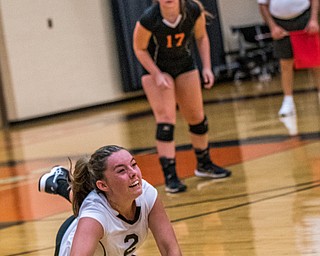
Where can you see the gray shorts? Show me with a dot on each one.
(282, 48)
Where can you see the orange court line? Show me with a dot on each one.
(23, 202)
(225, 156)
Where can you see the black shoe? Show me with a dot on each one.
(48, 182)
(210, 170)
(174, 185)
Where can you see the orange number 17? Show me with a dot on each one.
(178, 37)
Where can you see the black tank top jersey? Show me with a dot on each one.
(170, 46)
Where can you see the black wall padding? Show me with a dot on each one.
(215, 34)
(125, 15)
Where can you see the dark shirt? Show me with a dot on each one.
(168, 45)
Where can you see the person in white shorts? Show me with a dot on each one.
(113, 206)
(283, 16)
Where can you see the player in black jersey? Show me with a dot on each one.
(162, 44)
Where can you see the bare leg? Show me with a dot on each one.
(287, 76)
(163, 104)
(189, 98)
(288, 106)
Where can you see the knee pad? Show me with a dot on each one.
(200, 128)
(165, 132)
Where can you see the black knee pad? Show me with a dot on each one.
(200, 128)
(165, 132)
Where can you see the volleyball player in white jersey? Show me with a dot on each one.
(283, 16)
(113, 207)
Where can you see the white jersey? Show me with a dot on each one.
(286, 9)
(121, 237)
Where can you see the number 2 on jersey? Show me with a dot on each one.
(178, 40)
(134, 238)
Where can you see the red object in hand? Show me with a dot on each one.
(306, 49)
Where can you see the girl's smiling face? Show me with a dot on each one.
(123, 175)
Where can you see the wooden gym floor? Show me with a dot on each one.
(270, 206)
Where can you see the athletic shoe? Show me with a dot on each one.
(48, 182)
(210, 170)
(288, 108)
(174, 185)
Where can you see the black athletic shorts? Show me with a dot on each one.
(62, 230)
(175, 68)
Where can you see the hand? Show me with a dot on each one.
(278, 32)
(312, 27)
(208, 78)
(164, 81)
